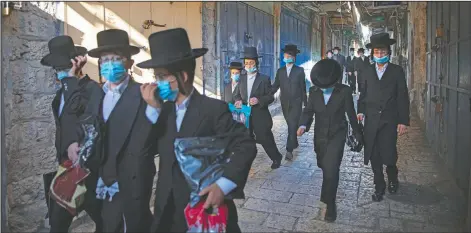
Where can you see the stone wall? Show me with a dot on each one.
(418, 12)
(28, 121)
(210, 59)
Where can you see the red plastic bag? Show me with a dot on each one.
(199, 220)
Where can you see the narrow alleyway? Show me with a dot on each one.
(287, 199)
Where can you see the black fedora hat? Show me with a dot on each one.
(236, 65)
(113, 40)
(326, 73)
(170, 47)
(336, 48)
(352, 49)
(380, 40)
(61, 50)
(250, 53)
(361, 50)
(291, 49)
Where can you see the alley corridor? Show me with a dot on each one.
(287, 199)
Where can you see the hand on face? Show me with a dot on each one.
(77, 64)
(147, 92)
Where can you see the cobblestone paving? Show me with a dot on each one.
(287, 199)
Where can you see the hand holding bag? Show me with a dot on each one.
(202, 161)
(68, 188)
(241, 115)
(355, 142)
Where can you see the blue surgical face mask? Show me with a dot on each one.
(113, 71)
(251, 70)
(288, 60)
(336, 52)
(166, 92)
(235, 77)
(381, 60)
(327, 90)
(62, 74)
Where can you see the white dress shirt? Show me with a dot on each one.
(112, 96)
(250, 81)
(288, 68)
(379, 71)
(61, 106)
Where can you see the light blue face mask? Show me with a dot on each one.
(235, 77)
(166, 92)
(63, 74)
(288, 60)
(251, 70)
(113, 71)
(327, 90)
(381, 60)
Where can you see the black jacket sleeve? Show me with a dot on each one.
(402, 98)
(267, 97)
(308, 112)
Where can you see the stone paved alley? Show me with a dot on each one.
(287, 199)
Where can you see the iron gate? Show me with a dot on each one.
(448, 102)
(295, 29)
(242, 25)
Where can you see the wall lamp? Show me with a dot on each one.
(8, 6)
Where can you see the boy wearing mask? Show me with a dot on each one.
(385, 106)
(68, 107)
(127, 170)
(255, 89)
(329, 101)
(291, 80)
(187, 113)
(235, 68)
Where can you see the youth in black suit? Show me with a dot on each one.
(330, 130)
(197, 116)
(385, 106)
(292, 95)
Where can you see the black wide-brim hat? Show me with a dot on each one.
(236, 65)
(336, 48)
(326, 73)
(291, 49)
(380, 40)
(61, 51)
(250, 53)
(170, 47)
(361, 50)
(112, 40)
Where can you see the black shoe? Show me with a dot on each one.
(393, 186)
(289, 156)
(331, 213)
(276, 164)
(377, 196)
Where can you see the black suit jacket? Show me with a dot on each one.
(229, 93)
(204, 117)
(330, 119)
(126, 147)
(350, 64)
(262, 90)
(359, 67)
(76, 95)
(293, 88)
(384, 101)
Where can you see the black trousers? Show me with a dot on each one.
(173, 219)
(377, 164)
(60, 218)
(264, 137)
(352, 82)
(292, 116)
(361, 87)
